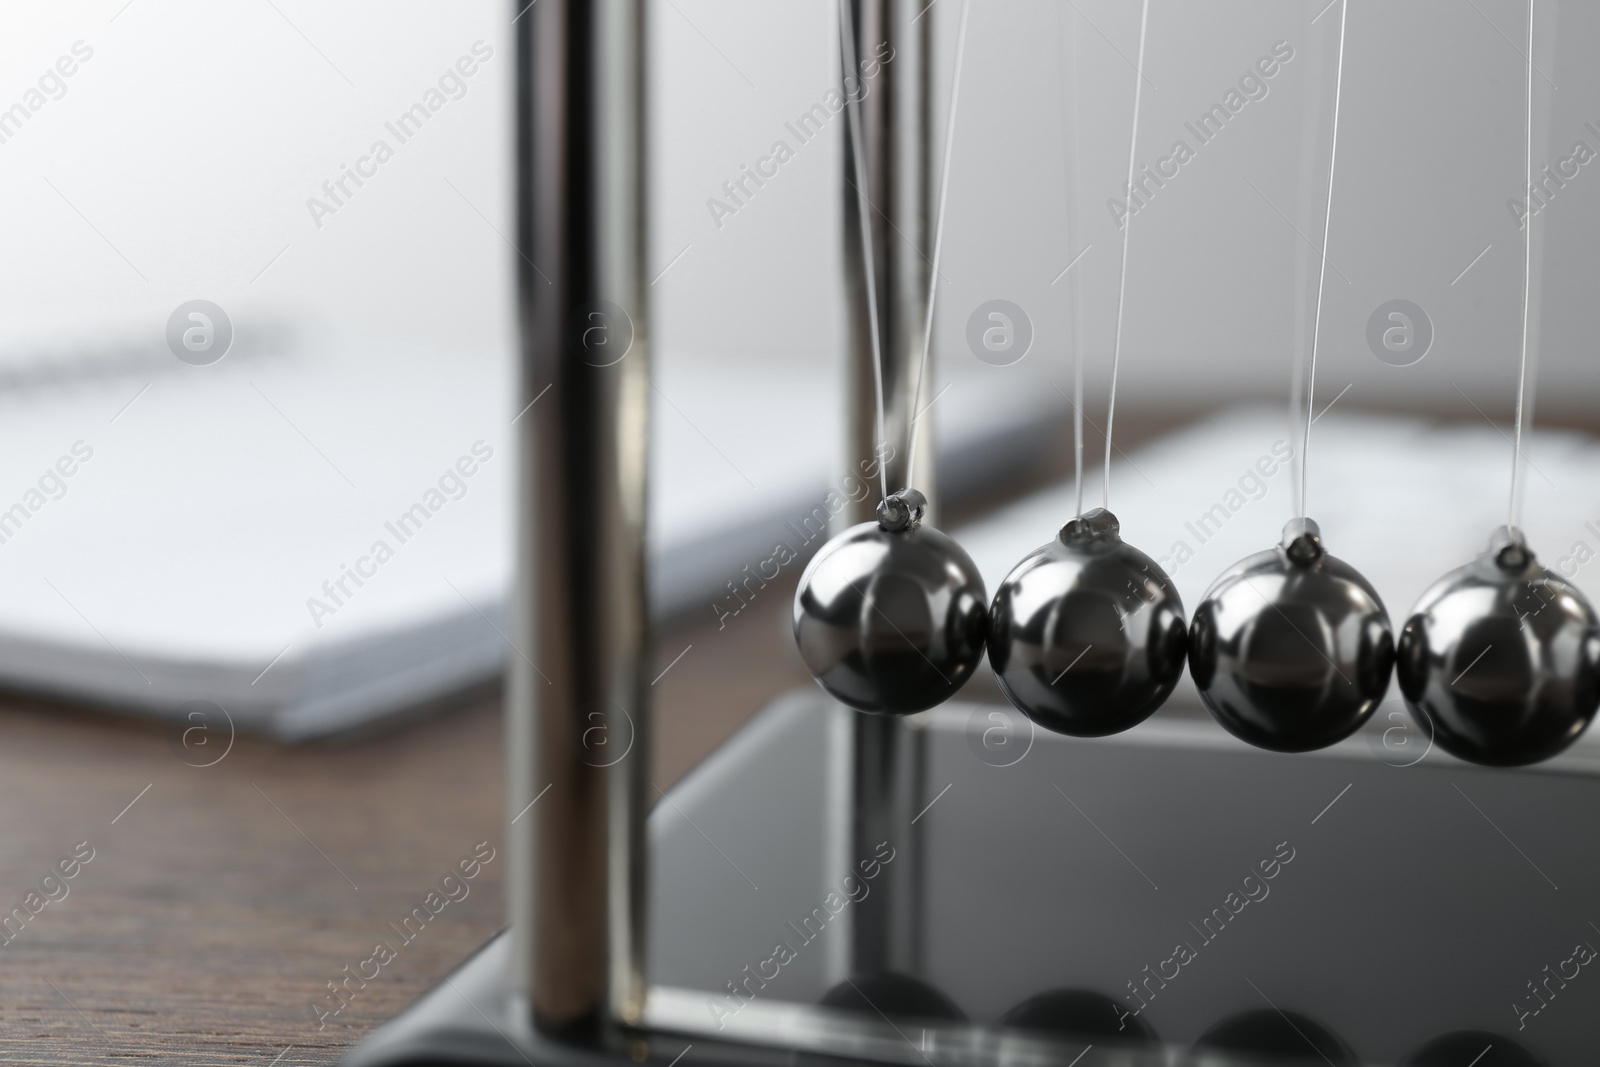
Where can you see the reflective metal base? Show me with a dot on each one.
(1359, 905)
(468, 1021)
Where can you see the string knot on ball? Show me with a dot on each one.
(902, 512)
(1510, 550)
(1302, 542)
(1096, 530)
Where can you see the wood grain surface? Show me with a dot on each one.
(218, 907)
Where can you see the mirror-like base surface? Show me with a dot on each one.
(1390, 899)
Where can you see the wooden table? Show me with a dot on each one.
(222, 900)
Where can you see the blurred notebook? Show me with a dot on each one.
(316, 531)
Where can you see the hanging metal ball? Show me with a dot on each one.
(1502, 657)
(891, 616)
(1087, 635)
(1291, 648)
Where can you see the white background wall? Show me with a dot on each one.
(179, 161)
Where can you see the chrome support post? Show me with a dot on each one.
(892, 54)
(578, 713)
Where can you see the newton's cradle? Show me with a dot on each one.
(1170, 895)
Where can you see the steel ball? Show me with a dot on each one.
(890, 616)
(1501, 658)
(1087, 635)
(1291, 648)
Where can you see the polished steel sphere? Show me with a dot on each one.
(891, 615)
(1291, 648)
(1087, 635)
(1503, 658)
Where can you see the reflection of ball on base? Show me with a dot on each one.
(1503, 656)
(1475, 1048)
(891, 620)
(1268, 1035)
(1291, 648)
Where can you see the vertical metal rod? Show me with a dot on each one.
(893, 48)
(578, 715)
